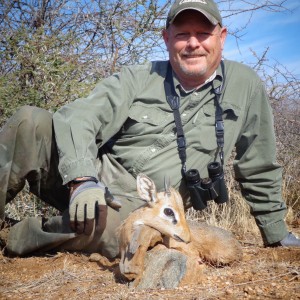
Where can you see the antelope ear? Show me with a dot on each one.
(146, 188)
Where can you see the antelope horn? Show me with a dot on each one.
(167, 185)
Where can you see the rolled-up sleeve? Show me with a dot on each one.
(84, 125)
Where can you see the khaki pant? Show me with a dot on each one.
(28, 152)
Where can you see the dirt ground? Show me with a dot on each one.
(264, 273)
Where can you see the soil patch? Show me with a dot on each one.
(264, 273)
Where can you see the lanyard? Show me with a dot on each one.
(174, 101)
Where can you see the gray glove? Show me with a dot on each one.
(88, 207)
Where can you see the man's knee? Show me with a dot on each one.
(31, 119)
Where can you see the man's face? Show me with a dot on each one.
(195, 47)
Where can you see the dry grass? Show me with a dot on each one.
(28, 205)
(291, 187)
(233, 216)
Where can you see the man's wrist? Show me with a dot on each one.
(76, 182)
(83, 179)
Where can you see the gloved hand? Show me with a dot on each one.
(88, 207)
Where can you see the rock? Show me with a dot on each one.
(164, 270)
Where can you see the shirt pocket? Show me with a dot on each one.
(143, 119)
(230, 111)
(205, 125)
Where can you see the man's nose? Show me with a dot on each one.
(193, 42)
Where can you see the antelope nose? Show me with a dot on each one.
(185, 238)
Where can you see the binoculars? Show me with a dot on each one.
(204, 189)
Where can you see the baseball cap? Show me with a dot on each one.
(207, 7)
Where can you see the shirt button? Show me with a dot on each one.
(153, 149)
(144, 117)
(184, 114)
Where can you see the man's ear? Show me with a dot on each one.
(223, 36)
(165, 35)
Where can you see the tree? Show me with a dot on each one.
(52, 51)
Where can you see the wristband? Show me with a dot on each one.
(81, 180)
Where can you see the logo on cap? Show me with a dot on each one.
(186, 1)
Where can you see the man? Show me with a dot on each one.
(126, 126)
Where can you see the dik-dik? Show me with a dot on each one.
(161, 224)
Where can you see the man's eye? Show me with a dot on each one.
(203, 35)
(182, 35)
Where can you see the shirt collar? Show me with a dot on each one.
(217, 77)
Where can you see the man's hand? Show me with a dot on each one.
(88, 208)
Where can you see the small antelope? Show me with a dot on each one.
(161, 224)
(163, 215)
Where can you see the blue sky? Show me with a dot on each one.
(277, 30)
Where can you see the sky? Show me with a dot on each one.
(277, 30)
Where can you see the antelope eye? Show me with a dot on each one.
(169, 212)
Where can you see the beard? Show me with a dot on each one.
(192, 71)
(197, 68)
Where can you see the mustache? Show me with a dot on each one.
(194, 54)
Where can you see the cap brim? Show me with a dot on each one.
(210, 18)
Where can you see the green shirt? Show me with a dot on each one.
(128, 112)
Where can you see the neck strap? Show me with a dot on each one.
(174, 101)
(219, 123)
